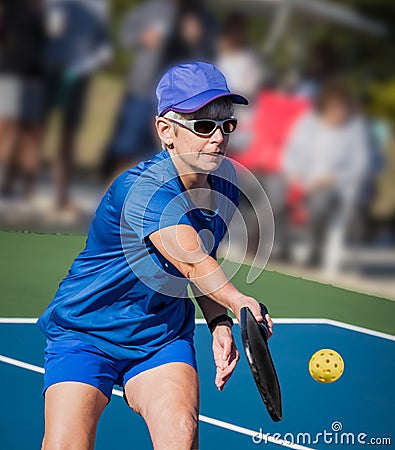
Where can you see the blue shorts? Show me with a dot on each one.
(80, 361)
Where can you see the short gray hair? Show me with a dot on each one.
(219, 108)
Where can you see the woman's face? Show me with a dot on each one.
(201, 154)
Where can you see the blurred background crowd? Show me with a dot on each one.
(77, 103)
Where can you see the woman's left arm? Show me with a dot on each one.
(225, 352)
(209, 308)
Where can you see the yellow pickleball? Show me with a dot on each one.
(326, 366)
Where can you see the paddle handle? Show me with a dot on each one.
(263, 324)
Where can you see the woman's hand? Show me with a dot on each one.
(225, 353)
(255, 309)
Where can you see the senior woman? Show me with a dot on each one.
(122, 314)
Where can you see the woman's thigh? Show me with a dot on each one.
(78, 381)
(72, 411)
(167, 397)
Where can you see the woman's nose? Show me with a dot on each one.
(217, 136)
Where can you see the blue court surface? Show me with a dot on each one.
(355, 411)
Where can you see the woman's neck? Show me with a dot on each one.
(189, 177)
(194, 180)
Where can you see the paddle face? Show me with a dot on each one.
(254, 337)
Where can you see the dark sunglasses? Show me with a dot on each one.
(206, 127)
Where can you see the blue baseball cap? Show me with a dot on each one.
(188, 87)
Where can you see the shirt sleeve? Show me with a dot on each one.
(151, 206)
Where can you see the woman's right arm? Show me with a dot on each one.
(181, 246)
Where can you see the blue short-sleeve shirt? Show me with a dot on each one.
(120, 293)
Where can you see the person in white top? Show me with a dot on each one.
(328, 156)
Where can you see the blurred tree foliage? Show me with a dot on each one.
(122, 57)
(376, 55)
(381, 97)
(377, 52)
(119, 7)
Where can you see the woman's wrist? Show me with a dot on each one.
(222, 319)
(237, 302)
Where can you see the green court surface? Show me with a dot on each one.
(32, 265)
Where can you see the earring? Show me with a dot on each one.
(170, 146)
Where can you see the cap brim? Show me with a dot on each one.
(198, 101)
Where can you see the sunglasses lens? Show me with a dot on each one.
(204, 126)
(230, 126)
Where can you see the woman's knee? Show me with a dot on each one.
(185, 422)
(55, 443)
(176, 428)
(64, 440)
(72, 411)
(51, 442)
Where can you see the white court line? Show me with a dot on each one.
(336, 323)
(211, 421)
(23, 365)
(17, 320)
(292, 321)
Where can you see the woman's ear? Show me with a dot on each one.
(164, 130)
